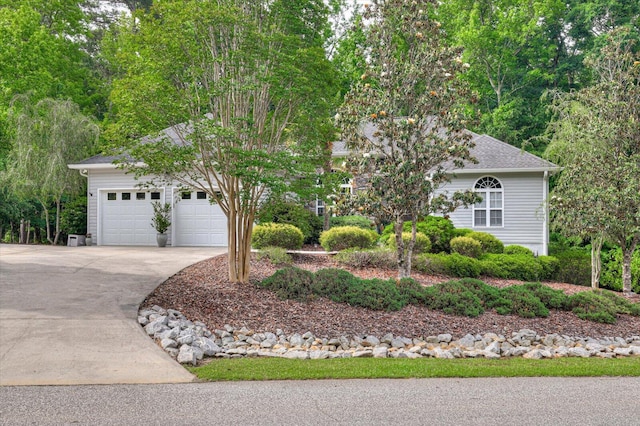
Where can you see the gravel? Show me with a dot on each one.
(202, 292)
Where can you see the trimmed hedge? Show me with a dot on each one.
(276, 255)
(517, 267)
(438, 229)
(516, 249)
(423, 244)
(490, 244)
(466, 246)
(346, 237)
(381, 257)
(574, 267)
(291, 213)
(352, 220)
(277, 235)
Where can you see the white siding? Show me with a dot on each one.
(524, 211)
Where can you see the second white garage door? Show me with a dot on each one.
(197, 222)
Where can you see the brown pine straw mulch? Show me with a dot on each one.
(202, 292)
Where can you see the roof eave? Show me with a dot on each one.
(550, 169)
(99, 166)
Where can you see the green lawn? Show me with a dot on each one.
(372, 368)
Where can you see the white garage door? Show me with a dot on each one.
(198, 222)
(125, 217)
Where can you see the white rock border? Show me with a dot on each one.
(189, 342)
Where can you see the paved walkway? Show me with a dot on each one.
(68, 314)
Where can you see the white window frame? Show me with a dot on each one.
(485, 187)
(320, 206)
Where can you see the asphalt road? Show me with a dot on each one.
(495, 401)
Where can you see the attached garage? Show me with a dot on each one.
(197, 222)
(125, 217)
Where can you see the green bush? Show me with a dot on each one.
(611, 276)
(623, 305)
(517, 267)
(276, 255)
(73, 218)
(466, 246)
(490, 244)
(521, 301)
(553, 299)
(380, 257)
(291, 213)
(290, 283)
(461, 232)
(574, 267)
(377, 294)
(429, 263)
(453, 297)
(353, 220)
(516, 249)
(277, 235)
(439, 230)
(345, 237)
(549, 266)
(411, 291)
(423, 245)
(333, 283)
(593, 306)
(462, 266)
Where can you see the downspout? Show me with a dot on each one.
(545, 222)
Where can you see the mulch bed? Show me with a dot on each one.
(203, 292)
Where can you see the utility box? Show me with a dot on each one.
(75, 240)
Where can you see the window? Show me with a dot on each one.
(319, 207)
(126, 195)
(346, 187)
(488, 212)
(201, 195)
(141, 195)
(186, 195)
(111, 196)
(155, 195)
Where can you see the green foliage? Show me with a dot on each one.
(593, 306)
(461, 232)
(278, 256)
(454, 297)
(516, 249)
(439, 230)
(290, 283)
(611, 276)
(411, 291)
(550, 265)
(462, 266)
(574, 267)
(521, 301)
(553, 299)
(519, 267)
(380, 257)
(466, 246)
(333, 283)
(161, 219)
(352, 220)
(277, 235)
(73, 218)
(344, 237)
(434, 264)
(280, 211)
(490, 244)
(423, 244)
(376, 294)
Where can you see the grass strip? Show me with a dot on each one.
(377, 368)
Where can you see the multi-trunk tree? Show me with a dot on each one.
(403, 121)
(233, 79)
(596, 137)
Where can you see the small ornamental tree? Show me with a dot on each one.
(403, 121)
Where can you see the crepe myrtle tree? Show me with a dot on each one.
(403, 121)
(231, 72)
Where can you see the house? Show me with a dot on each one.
(513, 184)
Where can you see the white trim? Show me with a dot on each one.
(467, 171)
(100, 166)
(545, 219)
(487, 199)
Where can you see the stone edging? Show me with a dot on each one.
(189, 342)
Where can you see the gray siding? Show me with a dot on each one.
(524, 212)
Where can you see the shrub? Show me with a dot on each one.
(462, 266)
(332, 283)
(549, 266)
(453, 297)
(411, 291)
(516, 249)
(377, 294)
(377, 258)
(277, 235)
(353, 220)
(290, 283)
(461, 232)
(73, 218)
(423, 245)
(623, 305)
(521, 301)
(574, 267)
(593, 306)
(466, 246)
(276, 255)
(439, 230)
(611, 276)
(431, 263)
(554, 299)
(345, 237)
(292, 213)
(486, 293)
(490, 244)
(517, 267)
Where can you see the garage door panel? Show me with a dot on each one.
(126, 220)
(199, 223)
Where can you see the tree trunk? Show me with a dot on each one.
(239, 227)
(596, 261)
(57, 234)
(46, 221)
(326, 219)
(21, 234)
(398, 227)
(627, 255)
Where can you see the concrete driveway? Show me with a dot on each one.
(68, 314)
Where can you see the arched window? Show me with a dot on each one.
(489, 211)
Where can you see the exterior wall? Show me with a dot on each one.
(113, 179)
(524, 211)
